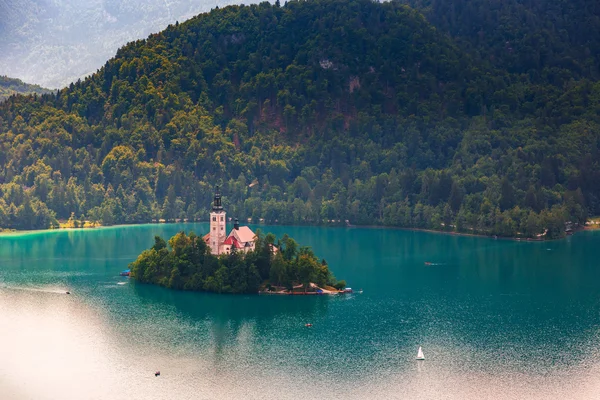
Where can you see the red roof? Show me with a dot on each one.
(233, 241)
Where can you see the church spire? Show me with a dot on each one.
(217, 201)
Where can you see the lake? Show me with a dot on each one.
(497, 319)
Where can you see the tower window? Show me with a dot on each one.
(214, 228)
(221, 228)
(214, 218)
(221, 218)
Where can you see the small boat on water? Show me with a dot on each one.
(127, 272)
(309, 325)
(346, 290)
(420, 355)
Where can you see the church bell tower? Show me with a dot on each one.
(217, 225)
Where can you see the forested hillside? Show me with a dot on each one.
(549, 41)
(311, 112)
(9, 86)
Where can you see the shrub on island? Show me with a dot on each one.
(275, 265)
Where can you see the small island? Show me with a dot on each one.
(240, 262)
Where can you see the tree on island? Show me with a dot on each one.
(186, 263)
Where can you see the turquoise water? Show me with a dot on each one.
(496, 319)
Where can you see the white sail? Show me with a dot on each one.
(420, 355)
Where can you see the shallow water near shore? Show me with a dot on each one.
(496, 319)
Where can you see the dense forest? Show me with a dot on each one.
(475, 116)
(543, 39)
(10, 86)
(187, 264)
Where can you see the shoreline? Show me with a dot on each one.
(100, 227)
(477, 235)
(8, 233)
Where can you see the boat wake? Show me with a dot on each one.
(34, 289)
(112, 285)
(432, 263)
(514, 294)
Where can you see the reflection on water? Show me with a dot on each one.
(58, 347)
(497, 320)
(235, 309)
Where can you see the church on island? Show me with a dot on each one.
(241, 238)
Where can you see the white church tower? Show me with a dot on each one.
(217, 225)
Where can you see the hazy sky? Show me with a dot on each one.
(55, 42)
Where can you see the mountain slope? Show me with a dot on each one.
(554, 38)
(315, 111)
(9, 86)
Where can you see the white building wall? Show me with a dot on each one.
(234, 233)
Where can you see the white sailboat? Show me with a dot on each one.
(420, 355)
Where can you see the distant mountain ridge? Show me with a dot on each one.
(10, 86)
(53, 43)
